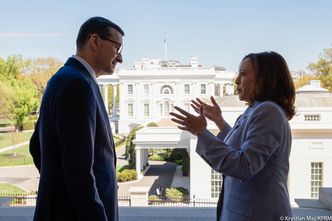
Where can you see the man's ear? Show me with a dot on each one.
(93, 41)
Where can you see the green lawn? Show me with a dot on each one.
(10, 189)
(22, 157)
(8, 139)
(5, 122)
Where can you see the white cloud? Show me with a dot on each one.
(27, 35)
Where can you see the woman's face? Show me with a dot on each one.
(246, 81)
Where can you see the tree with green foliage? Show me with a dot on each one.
(22, 101)
(323, 68)
(40, 70)
(5, 90)
(304, 80)
(11, 67)
(130, 147)
(19, 97)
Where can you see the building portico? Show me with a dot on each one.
(158, 138)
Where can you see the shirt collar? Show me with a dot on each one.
(87, 66)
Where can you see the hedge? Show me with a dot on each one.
(126, 175)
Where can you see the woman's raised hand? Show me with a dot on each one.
(212, 112)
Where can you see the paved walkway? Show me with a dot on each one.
(160, 174)
(12, 147)
(179, 180)
(25, 177)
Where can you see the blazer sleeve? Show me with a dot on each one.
(76, 127)
(243, 160)
(34, 147)
(222, 134)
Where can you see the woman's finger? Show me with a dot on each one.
(214, 101)
(199, 101)
(195, 108)
(196, 103)
(177, 115)
(178, 121)
(185, 113)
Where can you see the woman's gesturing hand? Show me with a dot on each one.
(212, 112)
(193, 124)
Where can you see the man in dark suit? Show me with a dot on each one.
(72, 145)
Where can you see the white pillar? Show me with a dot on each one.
(145, 156)
(106, 98)
(139, 196)
(222, 90)
(114, 100)
(138, 162)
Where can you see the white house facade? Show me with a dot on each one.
(311, 154)
(151, 90)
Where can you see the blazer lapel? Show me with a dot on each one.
(77, 65)
(241, 119)
(236, 125)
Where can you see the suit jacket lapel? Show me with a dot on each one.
(77, 65)
(241, 119)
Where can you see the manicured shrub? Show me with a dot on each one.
(186, 166)
(126, 175)
(152, 124)
(156, 158)
(183, 190)
(154, 198)
(179, 162)
(173, 194)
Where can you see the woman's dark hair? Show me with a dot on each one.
(274, 81)
(96, 25)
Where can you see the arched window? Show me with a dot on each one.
(166, 89)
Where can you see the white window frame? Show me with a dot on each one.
(187, 90)
(130, 89)
(146, 89)
(130, 114)
(203, 89)
(316, 178)
(216, 184)
(146, 114)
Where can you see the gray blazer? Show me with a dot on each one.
(253, 156)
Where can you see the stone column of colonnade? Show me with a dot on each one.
(114, 99)
(141, 160)
(104, 90)
(138, 162)
(106, 97)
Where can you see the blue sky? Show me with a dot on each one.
(218, 32)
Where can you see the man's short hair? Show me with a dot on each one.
(96, 25)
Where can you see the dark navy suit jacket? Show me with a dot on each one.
(73, 148)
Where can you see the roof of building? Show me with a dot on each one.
(313, 99)
(312, 87)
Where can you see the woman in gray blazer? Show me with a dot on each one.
(253, 155)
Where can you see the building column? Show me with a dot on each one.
(114, 100)
(106, 98)
(138, 162)
(222, 90)
(146, 156)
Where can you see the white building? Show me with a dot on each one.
(150, 91)
(310, 160)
